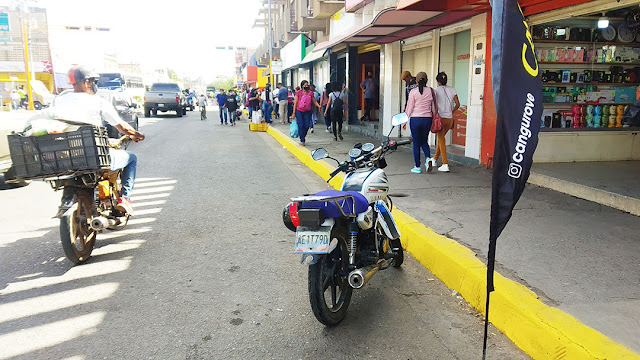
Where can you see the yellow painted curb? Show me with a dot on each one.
(541, 331)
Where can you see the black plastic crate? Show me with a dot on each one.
(57, 154)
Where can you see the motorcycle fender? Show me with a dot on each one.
(386, 221)
(70, 210)
(310, 259)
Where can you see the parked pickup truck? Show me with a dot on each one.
(164, 97)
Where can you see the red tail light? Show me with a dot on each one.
(293, 214)
(178, 98)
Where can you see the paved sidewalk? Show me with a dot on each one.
(578, 256)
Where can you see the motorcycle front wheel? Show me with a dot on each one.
(329, 289)
(77, 237)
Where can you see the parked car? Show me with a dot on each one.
(164, 97)
(125, 109)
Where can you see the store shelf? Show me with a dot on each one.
(551, 130)
(586, 63)
(591, 83)
(585, 42)
(587, 103)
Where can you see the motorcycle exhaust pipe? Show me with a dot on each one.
(360, 277)
(100, 223)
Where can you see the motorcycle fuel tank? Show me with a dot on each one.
(373, 184)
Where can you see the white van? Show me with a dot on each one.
(41, 95)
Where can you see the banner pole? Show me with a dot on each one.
(486, 327)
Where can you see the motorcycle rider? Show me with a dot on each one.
(82, 106)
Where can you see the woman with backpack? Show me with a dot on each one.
(420, 110)
(335, 108)
(302, 105)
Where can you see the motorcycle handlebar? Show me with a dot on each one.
(403, 142)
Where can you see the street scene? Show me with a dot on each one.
(320, 180)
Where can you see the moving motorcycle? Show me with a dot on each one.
(77, 163)
(88, 206)
(347, 236)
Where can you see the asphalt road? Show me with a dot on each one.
(205, 269)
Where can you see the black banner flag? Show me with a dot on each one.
(517, 89)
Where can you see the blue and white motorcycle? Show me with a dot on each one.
(347, 236)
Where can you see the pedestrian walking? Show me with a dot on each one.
(410, 83)
(24, 101)
(254, 102)
(303, 104)
(369, 88)
(290, 101)
(420, 108)
(283, 95)
(267, 103)
(15, 99)
(324, 101)
(448, 103)
(335, 110)
(222, 101)
(276, 104)
(314, 112)
(231, 106)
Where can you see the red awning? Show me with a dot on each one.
(392, 24)
(444, 5)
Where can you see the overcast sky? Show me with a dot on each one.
(181, 35)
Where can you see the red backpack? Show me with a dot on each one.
(304, 102)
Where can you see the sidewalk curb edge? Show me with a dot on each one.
(543, 332)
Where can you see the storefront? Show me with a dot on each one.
(458, 50)
(590, 72)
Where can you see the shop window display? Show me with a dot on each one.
(589, 75)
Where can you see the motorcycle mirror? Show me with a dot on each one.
(319, 153)
(399, 119)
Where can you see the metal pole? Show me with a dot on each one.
(26, 63)
(270, 46)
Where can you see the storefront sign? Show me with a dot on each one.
(463, 57)
(276, 67)
(293, 53)
(4, 22)
(5, 38)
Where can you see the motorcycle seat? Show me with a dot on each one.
(331, 201)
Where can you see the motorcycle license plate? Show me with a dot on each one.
(313, 241)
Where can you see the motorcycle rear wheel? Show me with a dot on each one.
(77, 238)
(329, 289)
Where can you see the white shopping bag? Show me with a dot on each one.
(256, 117)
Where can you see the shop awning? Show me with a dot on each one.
(445, 5)
(393, 24)
(312, 56)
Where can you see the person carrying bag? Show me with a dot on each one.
(448, 105)
(420, 111)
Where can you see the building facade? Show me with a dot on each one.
(344, 41)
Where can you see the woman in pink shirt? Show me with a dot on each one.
(419, 111)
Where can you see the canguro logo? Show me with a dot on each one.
(515, 167)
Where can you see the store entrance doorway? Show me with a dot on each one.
(369, 63)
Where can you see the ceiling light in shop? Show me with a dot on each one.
(603, 22)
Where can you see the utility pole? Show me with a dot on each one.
(270, 46)
(27, 73)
